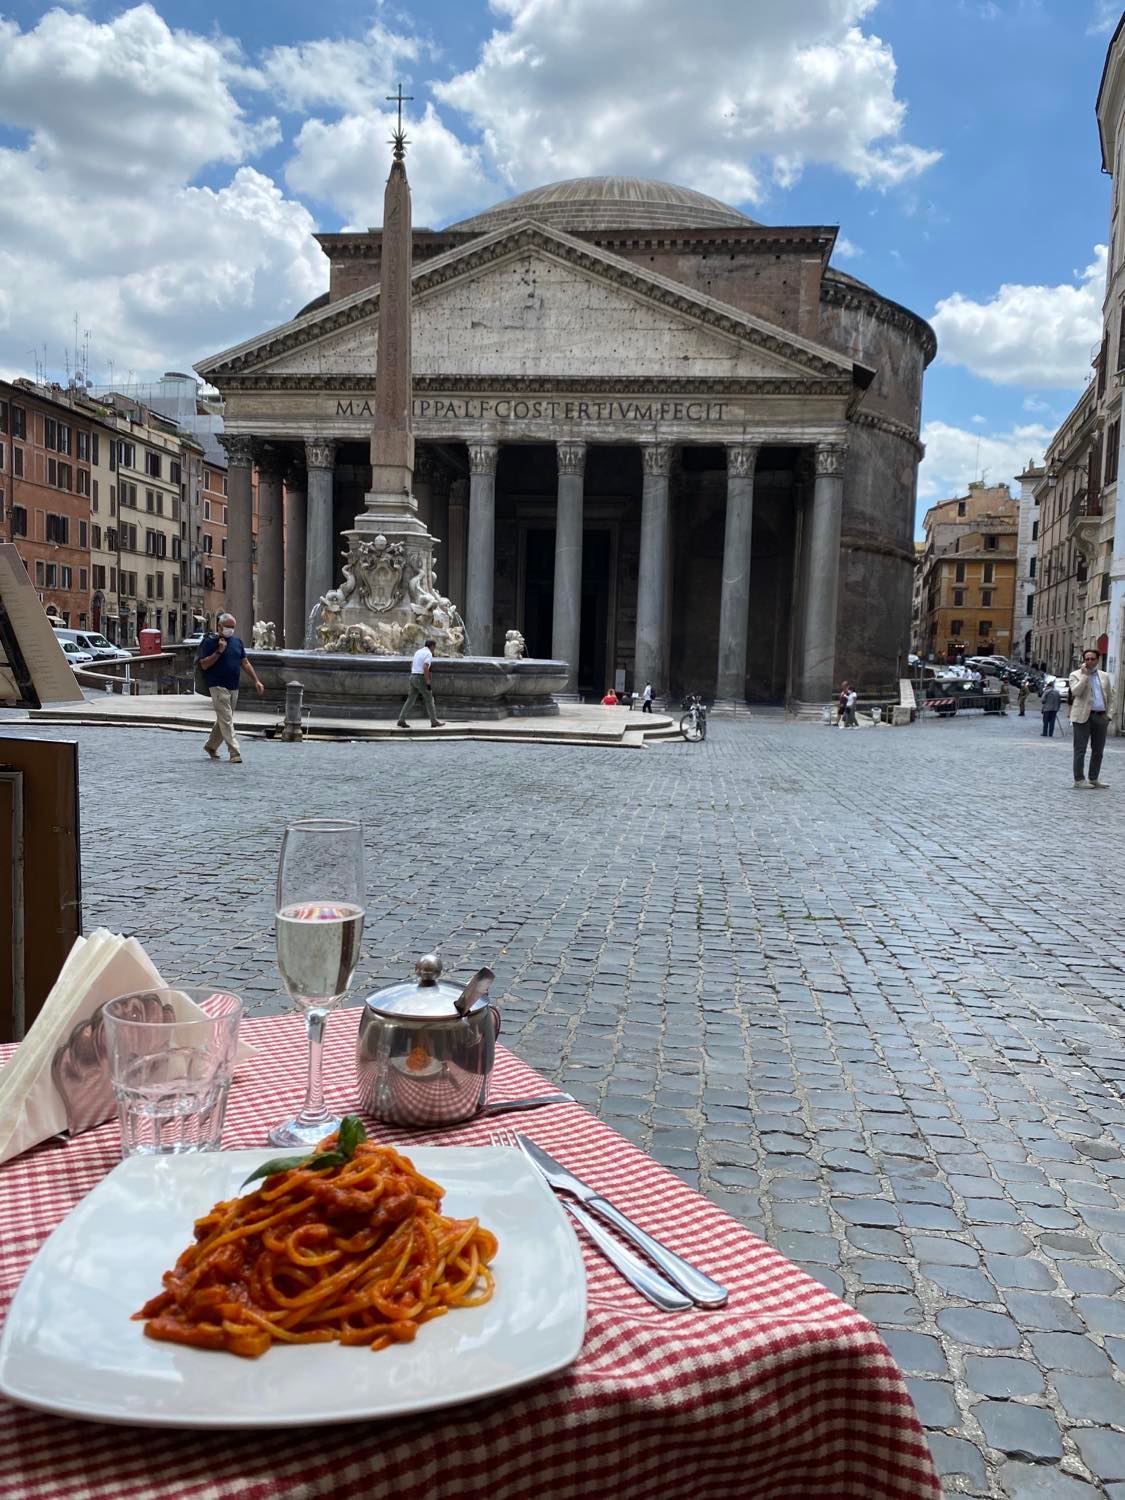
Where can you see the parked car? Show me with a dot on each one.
(1063, 685)
(75, 654)
(194, 641)
(94, 642)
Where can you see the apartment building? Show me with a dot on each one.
(147, 538)
(211, 544)
(53, 453)
(1071, 589)
(969, 570)
(1023, 630)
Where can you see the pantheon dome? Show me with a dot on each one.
(666, 442)
(591, 203)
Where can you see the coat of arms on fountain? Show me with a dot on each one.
(386, 605)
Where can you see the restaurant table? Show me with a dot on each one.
(785, 1392)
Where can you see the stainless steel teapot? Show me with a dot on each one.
(425, 1049)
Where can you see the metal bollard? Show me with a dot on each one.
(292, 731)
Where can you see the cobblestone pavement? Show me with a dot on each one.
(865, 989)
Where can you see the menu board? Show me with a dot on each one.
(33, 668)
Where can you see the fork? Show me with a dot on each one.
(637, 1273)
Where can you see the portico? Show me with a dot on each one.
(641, 478)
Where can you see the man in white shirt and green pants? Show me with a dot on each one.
(421, 687)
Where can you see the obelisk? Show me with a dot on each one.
(389, 505)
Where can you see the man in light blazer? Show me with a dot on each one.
(1091, 703)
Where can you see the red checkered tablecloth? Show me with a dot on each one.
(786, 1392)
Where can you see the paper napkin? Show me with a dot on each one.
(97, 969)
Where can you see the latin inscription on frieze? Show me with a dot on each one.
(546, 409)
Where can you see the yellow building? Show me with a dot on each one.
(969, 569)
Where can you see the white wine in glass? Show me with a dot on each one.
(320, 907)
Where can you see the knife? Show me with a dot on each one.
(699, 1287)
(637, 1273)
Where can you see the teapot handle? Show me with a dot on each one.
(495, 1020)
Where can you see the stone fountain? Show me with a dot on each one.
(362, 634)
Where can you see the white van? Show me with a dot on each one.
(93, 642)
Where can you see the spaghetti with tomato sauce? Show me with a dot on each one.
(359, 1253)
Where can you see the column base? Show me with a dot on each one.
(807, 712)
(730, 708)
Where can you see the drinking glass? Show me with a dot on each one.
(171, 1053)
(320, 900)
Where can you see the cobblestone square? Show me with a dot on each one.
(865, 990)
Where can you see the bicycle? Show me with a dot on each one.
(693, 725)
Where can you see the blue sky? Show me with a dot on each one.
(162, 166)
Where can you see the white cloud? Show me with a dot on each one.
(353, 75)
(1026, 335)
(847, 249)
(753, 97)
(1106, 15)
(99, 214)
(956, 455)
(344, 163)
(129, 100)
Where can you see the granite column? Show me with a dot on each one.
(271, 537)
(240, 531)
(320, 455)
(482, 547)
(566, 622)
(296, 506)
(816, 650)
(734, 602)
(649, 661)
(458, 528)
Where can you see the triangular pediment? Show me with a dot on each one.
(528, 301)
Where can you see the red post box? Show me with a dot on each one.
(150, 641)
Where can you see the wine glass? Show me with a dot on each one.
(320, 899)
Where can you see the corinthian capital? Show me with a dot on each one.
(830, 460)
(741, 458)
(482, 458)
(320, 453)
(571, 457)
(656, 458)
(240, 450)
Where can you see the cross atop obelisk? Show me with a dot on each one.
(392, 435)
(398, 140)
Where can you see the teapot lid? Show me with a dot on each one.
(424, 999)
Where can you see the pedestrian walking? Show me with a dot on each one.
(421, 687)
(1049, 703)
(222, 660)
(1091, 702)
(646, 699)
(850, 720)
(842, 705)
(1022, 698)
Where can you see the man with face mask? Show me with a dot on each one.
(223, 659)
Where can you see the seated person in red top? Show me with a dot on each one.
(610, 699)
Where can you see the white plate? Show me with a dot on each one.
(70, 1347)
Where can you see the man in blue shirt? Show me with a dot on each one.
(222, 660)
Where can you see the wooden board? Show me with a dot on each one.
(41, 887)
(33, 668)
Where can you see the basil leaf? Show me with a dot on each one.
(322, 1162)
(278, 1164)
(351, 1133)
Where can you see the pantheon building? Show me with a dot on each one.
(653, 435)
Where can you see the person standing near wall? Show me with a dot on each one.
(1049, 704)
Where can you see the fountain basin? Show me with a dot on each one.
(349, 686)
